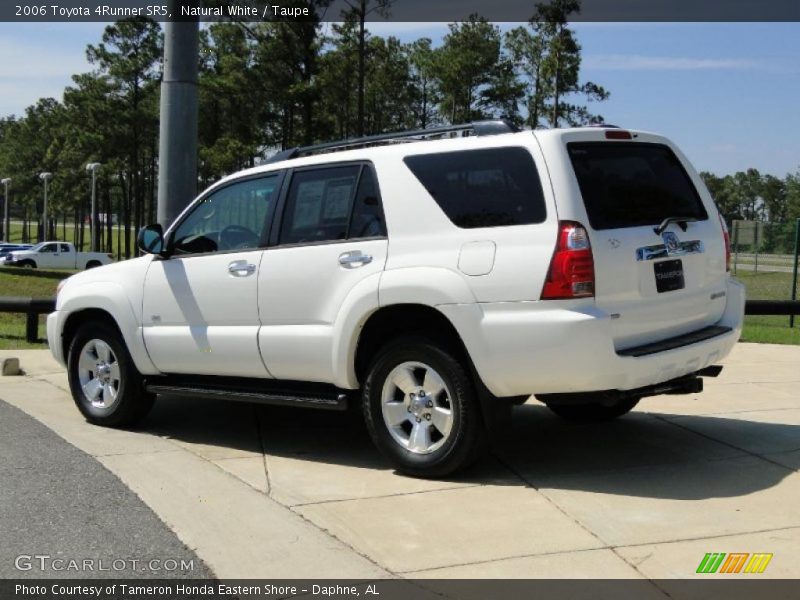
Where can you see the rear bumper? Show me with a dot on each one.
(529, 347)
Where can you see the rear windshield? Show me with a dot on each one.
(483, 188)
(629, 185)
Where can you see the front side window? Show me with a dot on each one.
(232, 218)
(492, 187)
(49, 248)
(319, 204)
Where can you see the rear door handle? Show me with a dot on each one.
(354, 259)
(241, 268)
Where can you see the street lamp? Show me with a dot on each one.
(92, 168)
(45, 177)
(7, 224)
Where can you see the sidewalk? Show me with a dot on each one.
(269, 492)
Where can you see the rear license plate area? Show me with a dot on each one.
(669, 275)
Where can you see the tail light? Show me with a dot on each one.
(571, 273)
(727, 237)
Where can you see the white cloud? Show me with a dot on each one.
(638, 62)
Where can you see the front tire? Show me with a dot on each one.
(27, 264)
(421, 408)
(594, 411)
(105, 385)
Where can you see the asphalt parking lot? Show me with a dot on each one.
(270, 492)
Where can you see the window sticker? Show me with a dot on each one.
(308, 204)
(338, 193)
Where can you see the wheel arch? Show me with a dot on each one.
(106, 302)
(78, 318)
(391, 321)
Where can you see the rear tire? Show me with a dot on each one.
(105, 385)
(92, 264)
(421, 408)
(593, 412)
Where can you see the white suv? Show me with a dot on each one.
(433, 283)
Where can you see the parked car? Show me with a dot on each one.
(435, 283)
(5, 249)
(56, 255)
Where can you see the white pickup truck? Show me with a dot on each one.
(56, 255)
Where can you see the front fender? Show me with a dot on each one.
(111, 298)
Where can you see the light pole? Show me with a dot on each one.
(92, 167)
(45, 177)
(177, 156)
(7, 224)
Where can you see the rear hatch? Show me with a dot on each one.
(658, 279)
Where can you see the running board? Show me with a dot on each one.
(260, 391)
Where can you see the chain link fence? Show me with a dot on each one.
(764, 256)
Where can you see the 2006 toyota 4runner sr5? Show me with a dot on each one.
(432, 283)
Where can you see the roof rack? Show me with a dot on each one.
(479, 128)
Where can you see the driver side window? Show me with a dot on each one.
(232, 218)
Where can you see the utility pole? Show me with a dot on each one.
(92, 167)
(7, 224)
(177, 169)
(45, 177)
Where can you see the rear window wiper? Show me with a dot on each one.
(681, 221)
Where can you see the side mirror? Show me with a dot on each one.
(151, 239)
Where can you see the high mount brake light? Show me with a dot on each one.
(618, 134)
(571, 273)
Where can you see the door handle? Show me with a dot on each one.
(354, 259)
(241, 268)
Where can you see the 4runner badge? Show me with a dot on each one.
(671, 242)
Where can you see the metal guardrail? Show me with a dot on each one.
(772, 307)
(33, 307)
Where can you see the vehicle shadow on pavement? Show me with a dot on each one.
(642, 454)
(649, 454)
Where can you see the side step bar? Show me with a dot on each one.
(283, 393)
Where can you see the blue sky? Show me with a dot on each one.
(727, 93)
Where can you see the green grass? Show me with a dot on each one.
(26, 283)
(769, 329)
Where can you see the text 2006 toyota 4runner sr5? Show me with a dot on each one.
(435, 283)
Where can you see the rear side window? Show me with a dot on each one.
(367, 220)
(630, 185)
(483, 188)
